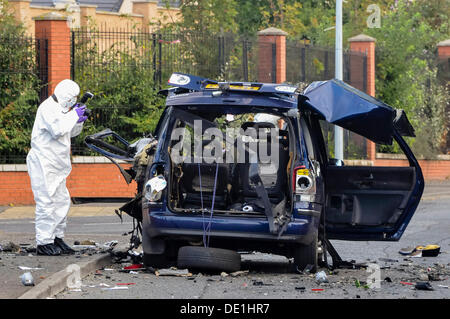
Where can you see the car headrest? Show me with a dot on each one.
(257, 125)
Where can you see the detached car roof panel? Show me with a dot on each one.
(343, 105)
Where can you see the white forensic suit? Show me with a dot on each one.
(48, 161)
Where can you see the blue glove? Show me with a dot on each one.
(80, 112)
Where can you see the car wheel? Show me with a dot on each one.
(209, 259)
(306, 256)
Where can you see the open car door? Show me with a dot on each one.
(365, 202)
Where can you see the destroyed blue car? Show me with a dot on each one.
(205, 189)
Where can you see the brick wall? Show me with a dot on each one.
(431, 169)
(103, 180)
(86, 180)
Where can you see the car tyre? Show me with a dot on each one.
(306, 256)
(208, 259)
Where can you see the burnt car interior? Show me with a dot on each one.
(194, 186)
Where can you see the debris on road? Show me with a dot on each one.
(388, 260)
(442, 286)
(27, 279)
(239, 273)
(431, 251)
(260, 283)
(116, 288)
(173, 271)
(11, 247)
(85, 243)
(423, 286)
(321, 277)
(80, 247)
(306, 270)
(359, 284)
(29, 268)
(421, 251)
(407, 251)
(75, 290)
(134, 267)
(406, 283)
(110, 244)
(128, 256)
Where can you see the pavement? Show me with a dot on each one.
(268, 276)
(96, 222)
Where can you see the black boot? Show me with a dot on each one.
(65, 249)
(48, 250)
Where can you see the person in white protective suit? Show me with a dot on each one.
(48, 162)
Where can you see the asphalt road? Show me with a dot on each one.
(270, 276)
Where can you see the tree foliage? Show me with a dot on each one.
(19, 85)
(406, 69)
(126, 96)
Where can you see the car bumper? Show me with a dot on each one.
(166, 224)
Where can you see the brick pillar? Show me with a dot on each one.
(366, 44)
(444, 49)
(53, 27)
(269, 39)
(147, 8)
(444, 57)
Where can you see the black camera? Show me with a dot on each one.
(86, 96)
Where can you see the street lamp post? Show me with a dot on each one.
(338, 131)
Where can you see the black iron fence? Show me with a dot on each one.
(101, 58)
(225, 57)
(306, 63)
(103, 54)
(23, 84)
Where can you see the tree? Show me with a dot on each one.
(19, 85)
(211, 16)
(406, 70)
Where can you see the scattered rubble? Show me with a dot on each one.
(11, 247)
(421, 251)
(27, 279)
(29, 268)
(239, 273)
(321, 277)
(173, 271)
(423, 286)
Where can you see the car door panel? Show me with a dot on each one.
(365, 202)
(367, 196)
